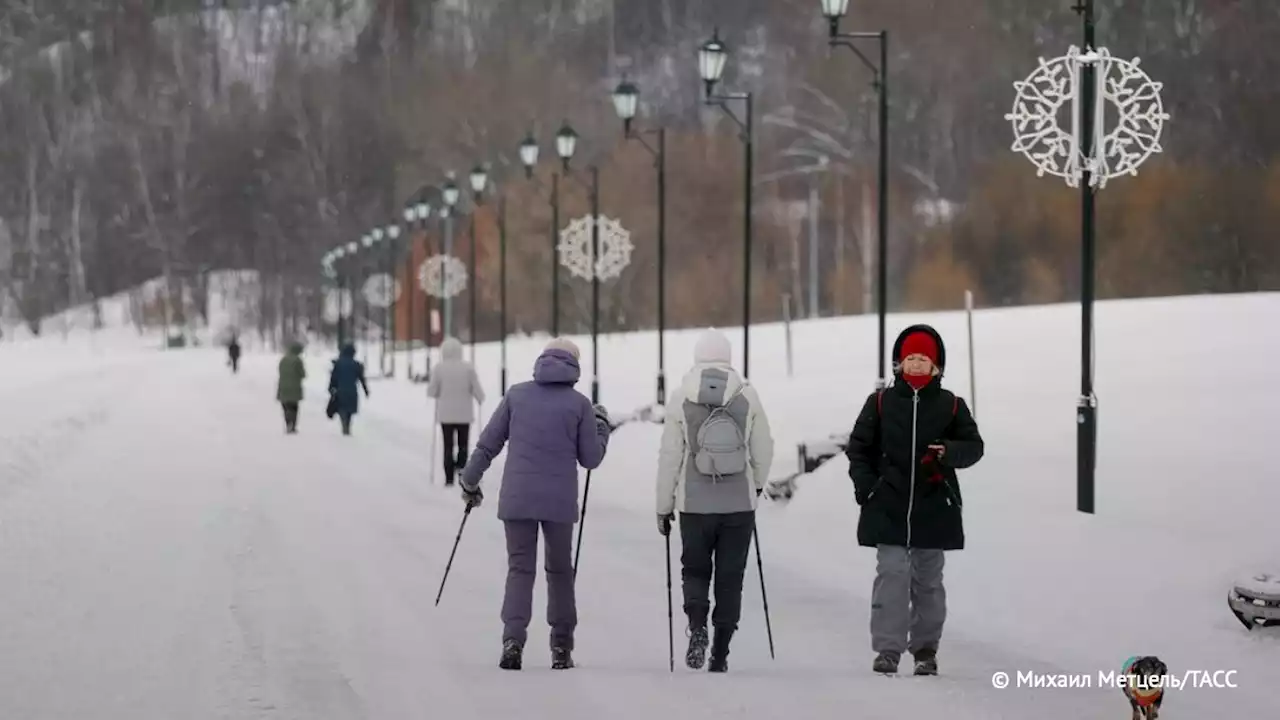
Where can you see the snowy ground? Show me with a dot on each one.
(167, 552)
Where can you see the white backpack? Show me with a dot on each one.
(722, 447)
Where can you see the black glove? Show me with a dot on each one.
(602, 415)
(472, 498)
(664, 524)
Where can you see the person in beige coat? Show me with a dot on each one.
(456, 389)
(713, 463)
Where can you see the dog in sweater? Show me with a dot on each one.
(1144, 686)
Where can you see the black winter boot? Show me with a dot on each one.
(561, 658)
(886, 662)
(512, 655)
(926, 662)
(696, 656)
(720, 650)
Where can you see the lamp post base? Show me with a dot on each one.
(1086, 452)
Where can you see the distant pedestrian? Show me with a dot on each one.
(712, 465)
(552, 429)
(906, 446)
(456, 390)
(233, 354)
(289, 386)
(345, 381)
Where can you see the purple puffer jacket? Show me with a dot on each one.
(551, 429)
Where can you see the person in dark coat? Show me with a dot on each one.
(345, 381)
(906, 446)
(233, 354)
(289, 386)
(550, 429)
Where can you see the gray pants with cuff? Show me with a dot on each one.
(908, 601)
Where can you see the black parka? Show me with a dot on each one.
(901, 503)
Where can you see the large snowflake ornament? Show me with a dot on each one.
(442, 276)
(381, 290)
(1123, 90)
(575, 248)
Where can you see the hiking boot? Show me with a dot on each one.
(696, 656)
(720, 650)
(561, 658)
(926, 662)
(512, 655)
(886, 663)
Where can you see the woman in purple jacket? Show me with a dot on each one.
(551, 428)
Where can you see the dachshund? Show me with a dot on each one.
(1148, 673)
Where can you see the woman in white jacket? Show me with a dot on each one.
(456, 390)
(713, 464)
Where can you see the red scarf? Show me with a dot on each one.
(917, 381)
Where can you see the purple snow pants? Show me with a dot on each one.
(522, 560)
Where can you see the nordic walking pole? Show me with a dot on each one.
(763, 595)
(465, 514)
(671, 626)
(581, 524)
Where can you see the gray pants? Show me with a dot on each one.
(907, 600)
(522, 561)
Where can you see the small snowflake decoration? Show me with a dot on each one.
(381, 290)
(442, 276)
(615, 248)
(1124, 91)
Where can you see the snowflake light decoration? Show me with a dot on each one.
(1132, 97)
(442, 276)
(575, 248)
(336, 304)
(381, 290)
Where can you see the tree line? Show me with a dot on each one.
(148, 139)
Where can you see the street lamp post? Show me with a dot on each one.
(479, 180)
(502, 290)
(423, 212)
(711, 61)
(566, 144)
(327, 266)
(449, 193)
(625, 101)
(410, 218)
(834, 10)
(352, 249)
(373, 238)
(529, 157)
(1087, 404)
(389, 312)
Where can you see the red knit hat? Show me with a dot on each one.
(919, 343)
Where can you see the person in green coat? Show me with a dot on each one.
(289, 389)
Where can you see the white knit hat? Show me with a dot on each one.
(712, 347)
(564, 344)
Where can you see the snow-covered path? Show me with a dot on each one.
(167, 552)
(181, 557)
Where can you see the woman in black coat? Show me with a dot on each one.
(345, 380)
(906, 446)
